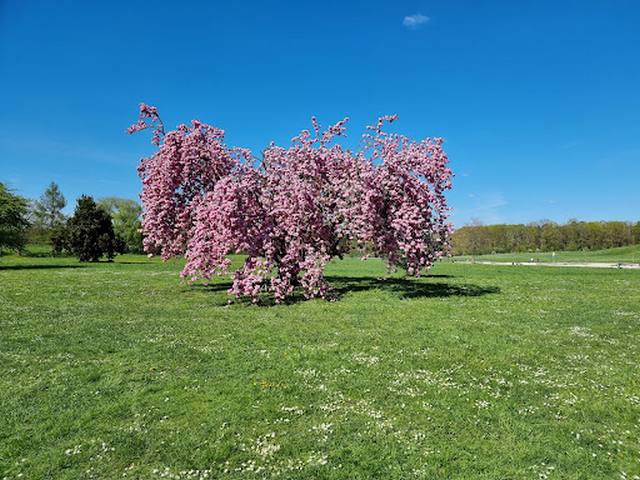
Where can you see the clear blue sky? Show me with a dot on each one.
(539, 100)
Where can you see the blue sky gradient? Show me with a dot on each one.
(539, 101)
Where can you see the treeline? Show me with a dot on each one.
(544, 236)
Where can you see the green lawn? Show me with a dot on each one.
(629, 254)
(477, 372)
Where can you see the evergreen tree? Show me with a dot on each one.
(47, 211)
(88, 234)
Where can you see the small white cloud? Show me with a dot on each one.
(414, 21)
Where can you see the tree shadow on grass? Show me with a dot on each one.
(402, 288)
(37, 267)
(406, 288)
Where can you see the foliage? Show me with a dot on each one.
(109, 371)
(543, 236)
(47, 211)
(13, 219)
(188, 164)
(297, 209)
(46, 215)
(126, 214)
(88, 234)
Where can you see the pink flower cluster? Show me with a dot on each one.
(297, 209)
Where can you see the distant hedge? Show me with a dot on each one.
(544, 237)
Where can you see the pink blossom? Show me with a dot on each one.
(296, 210)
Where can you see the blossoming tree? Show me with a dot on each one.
(298, 208)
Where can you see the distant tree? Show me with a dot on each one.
(88, 234)
(13, 219)
(551, 237)
(47, 211)
(617, 234)
(635, 231)
(126, 215)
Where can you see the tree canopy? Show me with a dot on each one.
(47, 211)
(88, 234)
(13, 219)
(295, 210)
(126, 215)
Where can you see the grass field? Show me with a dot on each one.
(476, 372)
(629, 254)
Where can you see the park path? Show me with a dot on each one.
(632, 266)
